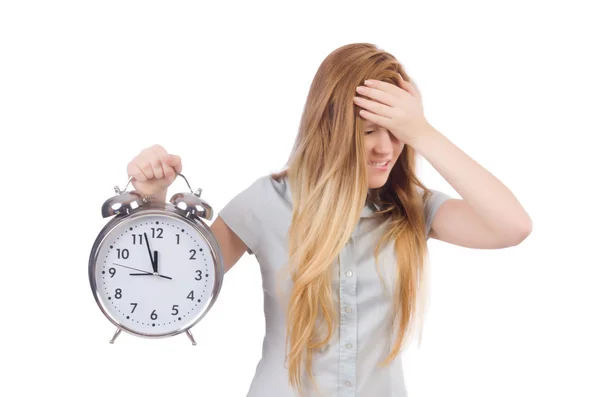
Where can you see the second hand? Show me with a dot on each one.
(143, 271)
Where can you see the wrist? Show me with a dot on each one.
(424, 134)
(149, 196)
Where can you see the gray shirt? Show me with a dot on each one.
(261, 215)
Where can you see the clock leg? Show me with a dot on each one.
(115, 335)
(189, 334)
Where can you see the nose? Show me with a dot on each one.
(384, 142)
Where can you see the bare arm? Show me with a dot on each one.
(232, 247)
(488, 215)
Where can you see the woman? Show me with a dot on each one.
(341, 233)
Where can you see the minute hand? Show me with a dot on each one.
(149, 274)
(154, 269)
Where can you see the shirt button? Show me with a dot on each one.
(348, 309)
(348, 273)
(349, 345)
(348, 383)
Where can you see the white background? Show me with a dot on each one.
(84, 86)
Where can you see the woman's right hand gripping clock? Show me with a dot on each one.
(153, 171)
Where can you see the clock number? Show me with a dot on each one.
(177, 238)
(135, 239)
(134, 306)
(118, 294)
(175, 311)
(199, 272)
(193, 252)
(153, 316)
(191, 295)
(159, 230)
(112, 272)
(122, 253)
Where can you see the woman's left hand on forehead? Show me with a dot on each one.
(398, 109)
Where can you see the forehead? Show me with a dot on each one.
(369, 124)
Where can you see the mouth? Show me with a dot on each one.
(383, 165)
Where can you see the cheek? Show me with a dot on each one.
(368, 143)
(399, 150)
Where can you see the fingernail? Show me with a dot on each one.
(368, 82)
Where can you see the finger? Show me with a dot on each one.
(374, 107)
(150, 164)
(375, 118)
(408, 86)
(167, 170)
(158, 150)
(379, 95)
(385, 86)
(134, 171)
(157, 168)
(138, 174)
(175, 162)
(145, 167)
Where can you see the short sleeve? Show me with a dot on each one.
(243, 214)
(432, 204)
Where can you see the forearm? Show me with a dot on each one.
(489, 197)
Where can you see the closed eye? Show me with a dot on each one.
(368, 132)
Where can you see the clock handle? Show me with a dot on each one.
(186, 181)
(119, 191)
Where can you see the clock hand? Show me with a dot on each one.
(150, 253)
(132, 268)
(149, 274)
(144, 273)
(156, 261)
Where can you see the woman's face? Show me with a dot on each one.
(382, 150)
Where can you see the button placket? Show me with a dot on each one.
(348, 321)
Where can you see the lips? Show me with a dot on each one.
(379, 163)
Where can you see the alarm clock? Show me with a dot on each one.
(155, 269)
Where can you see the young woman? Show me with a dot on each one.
(341, 233)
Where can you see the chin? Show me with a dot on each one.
(377, 181)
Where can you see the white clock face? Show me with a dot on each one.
(154, 274)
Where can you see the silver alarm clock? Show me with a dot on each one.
(155, 269)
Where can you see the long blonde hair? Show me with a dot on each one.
(328, 177)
